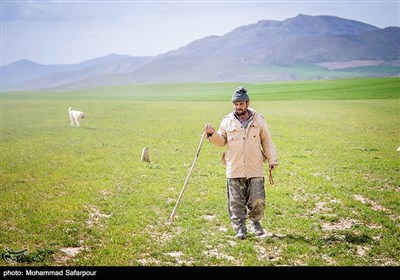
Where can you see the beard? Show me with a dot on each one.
(240, 112)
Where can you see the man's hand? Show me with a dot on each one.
(272, 166)
(209, 129)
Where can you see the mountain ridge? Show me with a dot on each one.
(266, 51)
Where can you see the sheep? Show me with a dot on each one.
(75, 116)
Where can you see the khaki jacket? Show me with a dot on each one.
(246, 149)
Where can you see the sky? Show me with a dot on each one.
(72, 31)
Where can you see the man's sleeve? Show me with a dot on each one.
(219, 138)
(267, 143)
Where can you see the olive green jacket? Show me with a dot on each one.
(246, 148)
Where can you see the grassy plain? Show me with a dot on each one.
(81, 196)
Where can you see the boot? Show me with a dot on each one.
(257, 228)
(241, 233)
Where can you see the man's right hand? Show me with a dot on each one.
(209, 129)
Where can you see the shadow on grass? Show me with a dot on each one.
(331, 239)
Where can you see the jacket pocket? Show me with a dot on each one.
(233, 133)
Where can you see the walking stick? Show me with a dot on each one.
(187, 178)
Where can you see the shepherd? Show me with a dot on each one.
(249, 145)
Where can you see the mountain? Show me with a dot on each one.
(303, 47)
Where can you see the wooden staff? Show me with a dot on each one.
(187, 178)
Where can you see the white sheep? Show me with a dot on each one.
(75, 116)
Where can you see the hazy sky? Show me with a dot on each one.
(65, 32)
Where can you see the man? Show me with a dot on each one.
(248, 145)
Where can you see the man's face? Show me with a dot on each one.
(241, 107)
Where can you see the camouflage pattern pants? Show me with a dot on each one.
(246, 198)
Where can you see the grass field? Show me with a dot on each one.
(82, 197)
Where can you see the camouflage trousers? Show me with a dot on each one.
(246, 198)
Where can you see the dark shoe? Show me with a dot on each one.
(241, 233)
(257, 228)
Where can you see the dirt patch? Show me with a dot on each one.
(375, 206)
(209, 217)
(373, 225)
(270, 254)
(342, 224)
(218, 255)
(320, 207)
(223, 229)
(68, 253)
(162, 237)
(178, 258)
(328, 260)
(149, 262)
(95, 218)
(362, 250)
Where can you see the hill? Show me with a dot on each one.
(300, 48)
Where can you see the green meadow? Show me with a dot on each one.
(82, 196)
